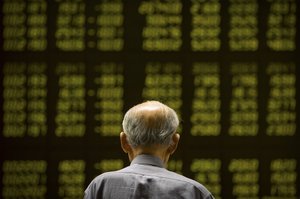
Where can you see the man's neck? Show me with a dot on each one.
(158, 151)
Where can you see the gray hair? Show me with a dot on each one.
(150, 123)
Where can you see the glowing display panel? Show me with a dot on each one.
(109, 99)
(283, 178)
(243, 104)
(69, 69)
(206, 102)
(245, 177)
(281, 24)
(205, 22)
(70, 106)
(207, 171)
(162, 30)
(281, 117)
(71, 178)
(243, 25)
(24, 179)
(24, 25)
(24, 96)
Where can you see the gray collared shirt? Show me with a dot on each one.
(146, 177)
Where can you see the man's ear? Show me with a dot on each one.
(124, 143)
(175, 140)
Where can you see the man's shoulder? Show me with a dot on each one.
(184, 180)
(160, 177)
(162, 173)
(99, 181)
(107, 175)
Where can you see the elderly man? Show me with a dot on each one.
(149, 138)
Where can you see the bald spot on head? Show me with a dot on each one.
(153, 114)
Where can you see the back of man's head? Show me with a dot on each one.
(150, 123)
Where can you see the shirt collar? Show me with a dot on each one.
(148, 160)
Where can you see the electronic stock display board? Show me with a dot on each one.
(71, 68)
